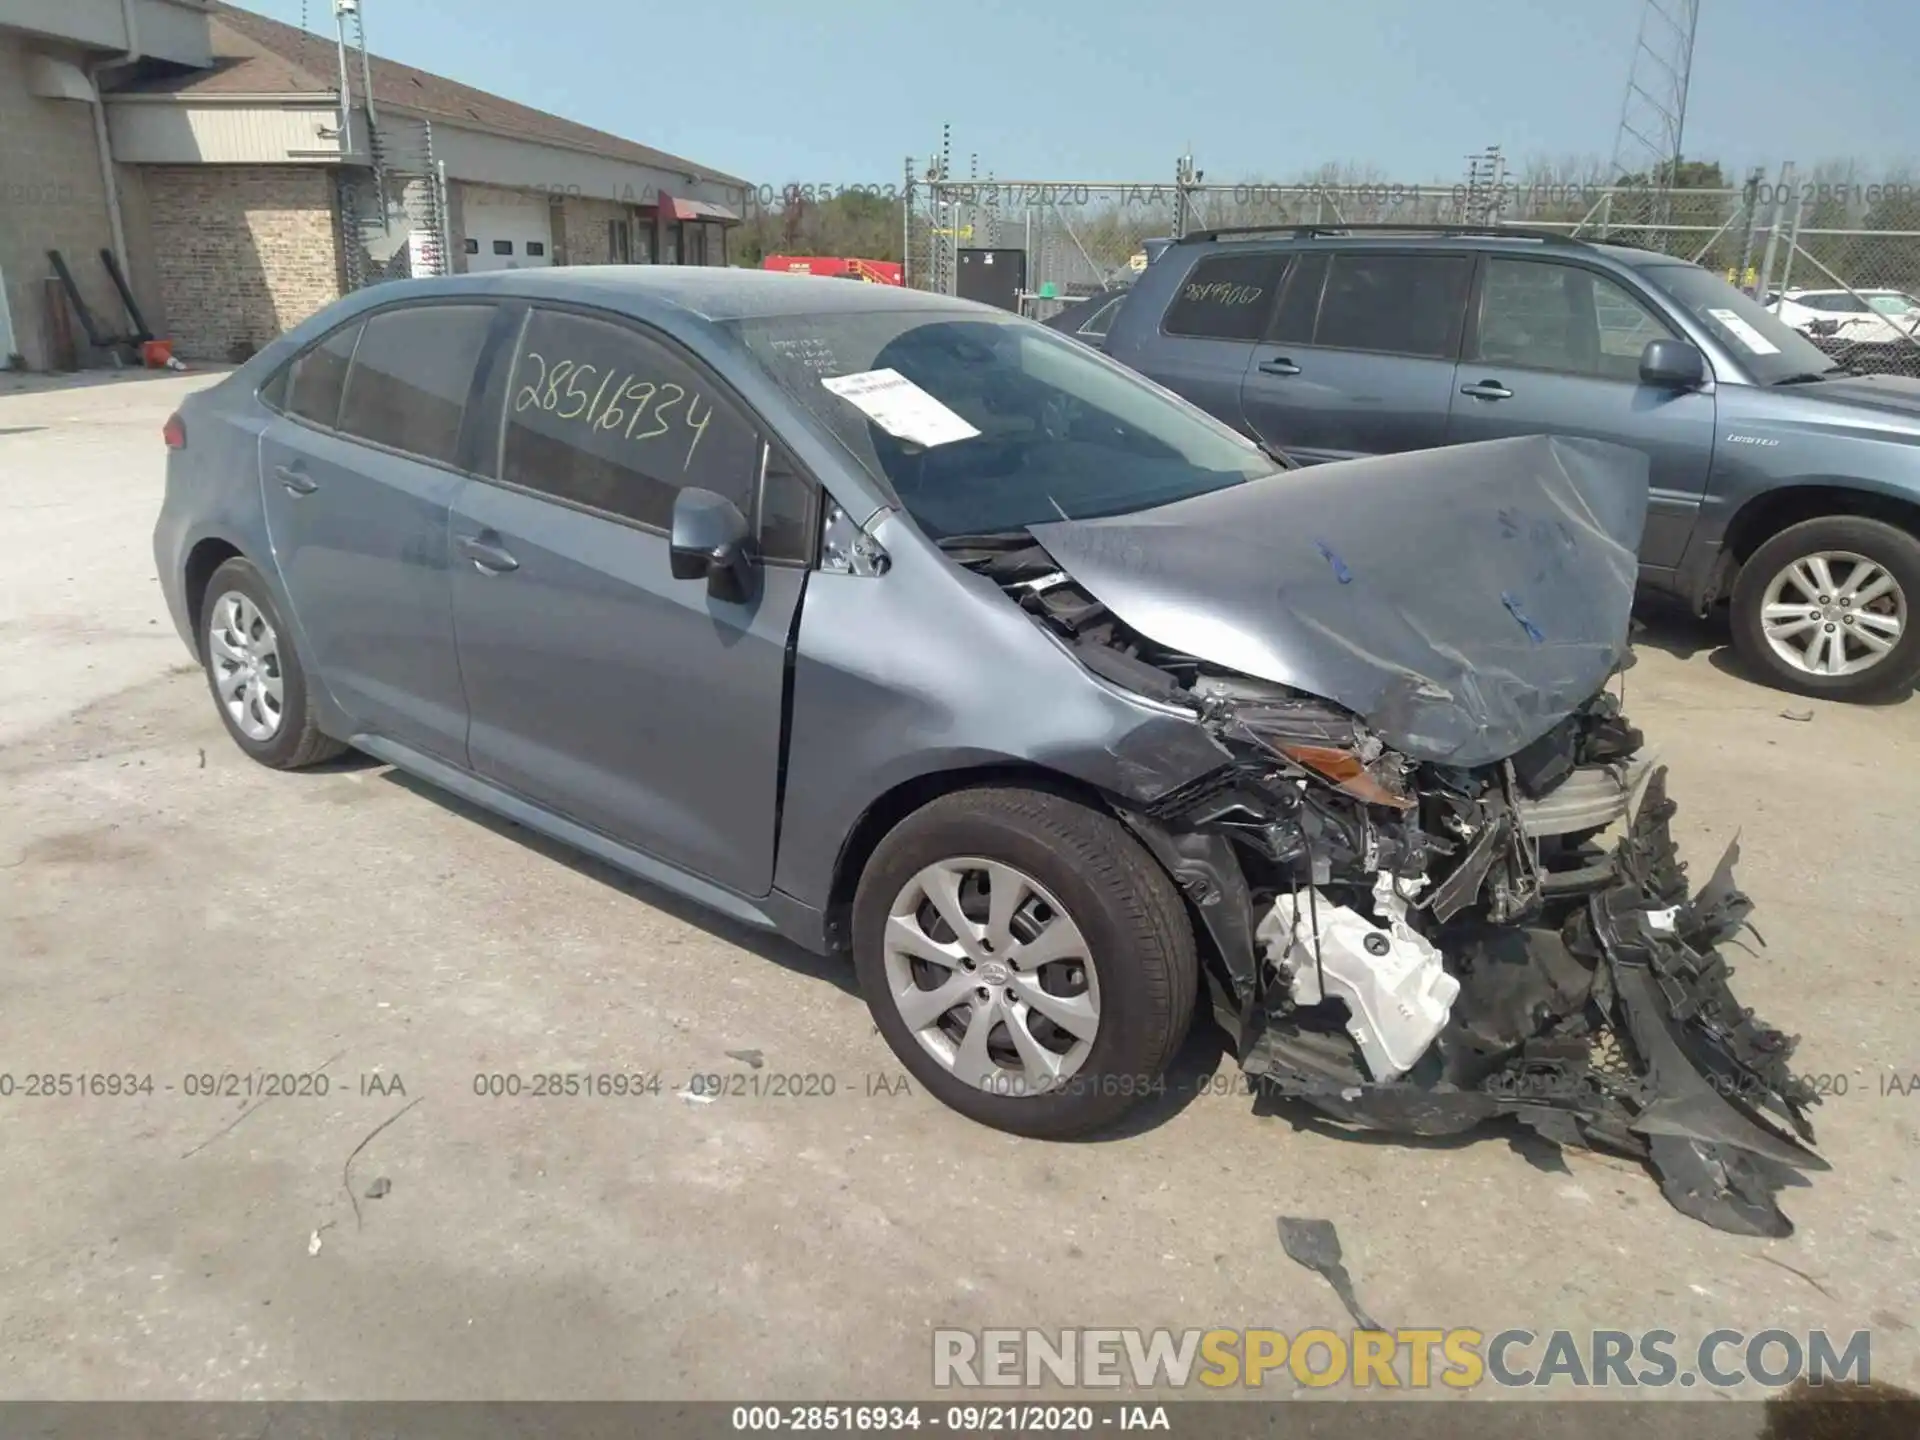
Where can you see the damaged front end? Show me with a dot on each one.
(1416, 945)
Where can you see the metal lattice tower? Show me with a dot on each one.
(1653, 116)
(1486, 186)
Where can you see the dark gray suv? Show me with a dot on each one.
(1781, 481)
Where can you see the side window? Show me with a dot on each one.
(1299, 301)
(318, 376)
(408, 387)
(1395, 304)
(1561, 318)
(601, 415)
(1625, 327)
(788, 514)
(1226, 297)
(1097, 323)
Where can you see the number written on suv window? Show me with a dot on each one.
(601, 415)
(1226, 297)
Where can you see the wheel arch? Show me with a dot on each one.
(894, 805)
(1772, 511)
(208, 554)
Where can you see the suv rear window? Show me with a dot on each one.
(1226, 297)
(1395, 304)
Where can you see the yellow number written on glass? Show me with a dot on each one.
(565, 389)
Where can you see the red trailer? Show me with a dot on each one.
(874, 272)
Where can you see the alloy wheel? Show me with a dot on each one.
(1833, 613)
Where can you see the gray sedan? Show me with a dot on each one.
(897, 624)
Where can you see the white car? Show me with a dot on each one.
(1863, 316)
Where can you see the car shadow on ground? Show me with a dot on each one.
(835, 970)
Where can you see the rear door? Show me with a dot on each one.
(1358, 357)
(1554, 347)
(601, 687)
(357, 471)
(1208, 333)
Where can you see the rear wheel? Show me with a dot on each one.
(1825, 608)
(1026, 959)
(258, 684)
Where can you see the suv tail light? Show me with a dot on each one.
(174, 432)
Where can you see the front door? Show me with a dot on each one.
(1359, 357)
(1554, 348)
(601, 687)
(356, 474)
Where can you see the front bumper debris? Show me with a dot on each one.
(1617, 1032)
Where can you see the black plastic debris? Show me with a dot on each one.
(1316, 1245)
(379, 1188)
(748, 1057)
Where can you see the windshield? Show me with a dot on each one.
(994, 423)
(1769, 348)
(1893, 304)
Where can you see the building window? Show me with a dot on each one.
(503, 247)
(536, 247)
(619, 242)
(471, 246)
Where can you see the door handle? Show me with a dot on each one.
(488, 558)
(1279, 365)
(297, 481)
(1487, 390)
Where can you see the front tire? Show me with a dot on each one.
(1026, 959)
(258, 684)
(1825, 608)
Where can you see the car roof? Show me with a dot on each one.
(1492, 241)
(708, 292)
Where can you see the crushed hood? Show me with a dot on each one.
(1463, 601)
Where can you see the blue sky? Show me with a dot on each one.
(837, 93)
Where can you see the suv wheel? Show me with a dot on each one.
(1026, 959)
(257, 681)
(1825, 608)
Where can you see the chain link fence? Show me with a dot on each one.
(1840, 261)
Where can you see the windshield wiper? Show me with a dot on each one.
(992, 540)
(1277, 455)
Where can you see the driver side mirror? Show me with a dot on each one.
(711, 540)
(1673, 365)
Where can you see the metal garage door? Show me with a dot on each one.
(513, 235)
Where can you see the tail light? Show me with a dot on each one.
(174, 432)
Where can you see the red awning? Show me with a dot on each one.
(670, 208)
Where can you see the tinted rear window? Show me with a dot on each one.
(1395, 304)
(410, 377)
(1226, 297)
(319, 375)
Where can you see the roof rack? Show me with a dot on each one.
(1310, 232)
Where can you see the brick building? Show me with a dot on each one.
(212, 152)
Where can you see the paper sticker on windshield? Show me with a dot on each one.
(900, 407)
(1745, 333)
